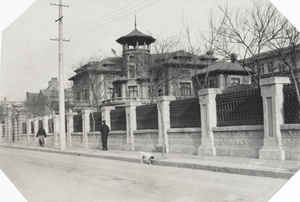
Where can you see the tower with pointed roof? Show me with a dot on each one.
(136, 54)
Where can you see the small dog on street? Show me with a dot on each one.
(149, 157)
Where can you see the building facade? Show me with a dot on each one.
(222, 75)
(138, 75)
(46, 102)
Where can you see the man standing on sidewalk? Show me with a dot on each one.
(41, 134)
(104, 131)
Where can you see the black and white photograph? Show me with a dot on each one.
(149, 101)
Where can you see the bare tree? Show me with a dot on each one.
(286, 46)
(204, 46)
(160, 71)
(247, 33)
(92, 82)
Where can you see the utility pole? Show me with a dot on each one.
(62, 135)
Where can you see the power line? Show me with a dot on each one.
(49, 49)
(96, 20)
(112, 20)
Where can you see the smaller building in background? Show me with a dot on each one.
(46, 102)
(276, 63)
(223, 74)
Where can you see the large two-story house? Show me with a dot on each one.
(137, 74)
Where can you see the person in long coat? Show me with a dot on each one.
(41, 134)
(104, 131)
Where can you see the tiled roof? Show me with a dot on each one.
(32, 97)
(110, 64)
(224, 66)
(134, 36)
(178, 57)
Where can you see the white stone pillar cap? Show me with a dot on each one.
(207, 91)
(275, 80)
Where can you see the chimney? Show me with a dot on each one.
(55, 83)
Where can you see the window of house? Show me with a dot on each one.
(131, 67)
(212, 82)
(282, 68)
(270, 67)
(110, 93)
(261, 68)
(118, 92)
(185, 89)
(78, 96)
(132, 71)
(86, 95)
(133, 92)
(84, 80)
(235, 81)
(131, 58)
(110, 78)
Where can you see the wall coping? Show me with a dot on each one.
(146, 131)
(290, 127)
(117, 132)
(274, 80)
(238, 128)
(77, 133)
(187, 130)
(96, 132)
(207, 91)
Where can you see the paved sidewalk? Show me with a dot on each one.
(244, 166)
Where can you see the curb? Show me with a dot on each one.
(223, 169)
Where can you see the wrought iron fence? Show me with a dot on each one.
(77, 123)
(291, 104)
(185, 113)
(98, 120)
(147, 117)
(240, 108)
(118, 119)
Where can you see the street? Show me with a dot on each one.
(43, 177)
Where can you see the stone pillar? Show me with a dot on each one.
(70, 127)
(8, 124)
(55, 130)
(164, 123)
(130, 125)
(208, 108)
(105, 112)
(85, 126)
(4, 139)
(18, 120)
(21, 119)
(272, 95)
(1, 132)
(36, 128)
(28, 129)
(46, 126)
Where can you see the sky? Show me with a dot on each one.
(29, 59)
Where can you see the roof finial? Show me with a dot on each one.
(135, 21)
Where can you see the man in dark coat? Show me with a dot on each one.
(104, 130)
(41, 134)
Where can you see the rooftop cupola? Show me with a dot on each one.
(136, 40)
